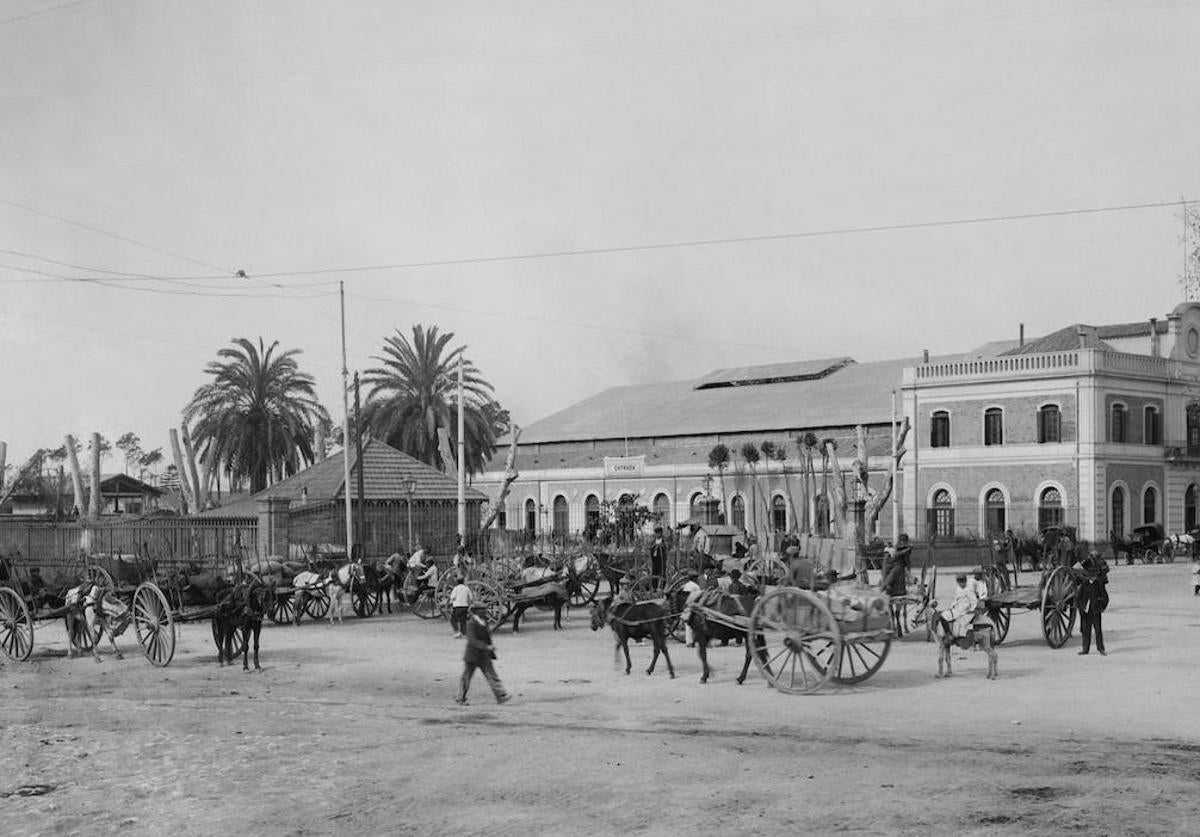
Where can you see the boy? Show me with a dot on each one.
(460, 601)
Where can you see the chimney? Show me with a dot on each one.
(926, 356)
(1021, 337)
(1081, 331)
(1154, 337)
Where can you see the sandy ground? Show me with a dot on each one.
(352, 729)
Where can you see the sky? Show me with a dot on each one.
(586, 194)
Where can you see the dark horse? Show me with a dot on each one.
(551, 594)
(242, 608)
(635, 621)
(705, 629)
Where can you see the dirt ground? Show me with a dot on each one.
(352, 729)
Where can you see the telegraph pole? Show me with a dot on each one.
(346, 426)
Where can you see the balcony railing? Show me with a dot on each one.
(1075, 361)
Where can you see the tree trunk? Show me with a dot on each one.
(192, 474)
(76, 476)
(510, 476)
(787, 489)
(35, 462)
(834, 487)
(185, 488)
(446, 450)
(94, 511)
(875, 506)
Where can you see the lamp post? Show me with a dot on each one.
(410, 487)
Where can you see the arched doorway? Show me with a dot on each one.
(778, 514)
(562, 516)
(591, 516)
(1189, 508)
(1118, 512)
(530, 516)
(1150, 506)
(995, 512)
(1050, 508)
(737, 510)
(662, 510)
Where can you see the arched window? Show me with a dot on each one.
(1118, 512)
(995, 513)
(1049, 424)
(939, 429)
(778, 514)
(502, 518)
(1189, 508)
(1149, 505)
(821, 513)
(1151, 426)
(562, 515)
(530, 516)
(993, 426)
(942, 514)
(591, 516)
(737, 510)
(1119, 423)
(625, 519)
(662, 510)
(1193, 428)
(1050, 508)
(695, 507)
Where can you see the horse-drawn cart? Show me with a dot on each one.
(1053, 597)
(801, 640)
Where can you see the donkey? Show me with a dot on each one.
(943, 634)
(705, 629)
(635, 621)
(339, 584)
(100, 614)
(243, 608)
(550, 594)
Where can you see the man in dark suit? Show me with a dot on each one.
(1091, 598)
(658, 554)
(479, 654)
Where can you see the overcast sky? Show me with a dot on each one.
(182, 139)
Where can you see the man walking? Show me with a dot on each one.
(479, 654)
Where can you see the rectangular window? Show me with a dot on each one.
(1153, 429)
(939, 430)
(1118, 423)
(1049, 425)
(993, 427)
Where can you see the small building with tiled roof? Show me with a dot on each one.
(1096, 427)
(395, 486)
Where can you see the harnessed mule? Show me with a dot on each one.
(243, 608)
(635, 621)
(705, 628)
(100, 614)
(943, 634)
(338, 585)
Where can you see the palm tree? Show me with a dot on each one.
(415, 392)
(255, 418)
(718, 458)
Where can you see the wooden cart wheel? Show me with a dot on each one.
(317, 605)
(153, 624)
(648, 587)
(1001, 618)
(1058, 607)
(769, 570)
(442, 594)
(426, 605)
(93, 574)
(860, 659)
(366, 601)
(16, 625)
(583, 587)
(493, 596)
(996, 581)
(795, 640)
(283, 610)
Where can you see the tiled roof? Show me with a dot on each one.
(856, 393)
(1063, 340)
(385, 472)
(1141, 329)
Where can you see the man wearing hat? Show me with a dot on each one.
(658, 554)
(1091, 599)
(479, 654)
(896, 566)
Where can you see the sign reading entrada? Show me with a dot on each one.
(625, 466)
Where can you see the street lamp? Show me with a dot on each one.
(410, 487)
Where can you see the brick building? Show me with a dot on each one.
(1096, 427)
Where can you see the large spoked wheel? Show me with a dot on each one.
(282, 610)
(493, 596)
(648, 587)
(996, 581)
(1058, 607)
(582, 589)
(98, 575)
(767, 570)
(1001, 618)
(317, 605)
(366, 601)
(153, 624)
(795, 640)
(16, 625)
(442, 594)
(426, 606)
(861, 658)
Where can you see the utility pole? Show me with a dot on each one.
(358, 457)
(462, 459)
(346, 426)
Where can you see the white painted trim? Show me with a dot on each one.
(939, 486)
